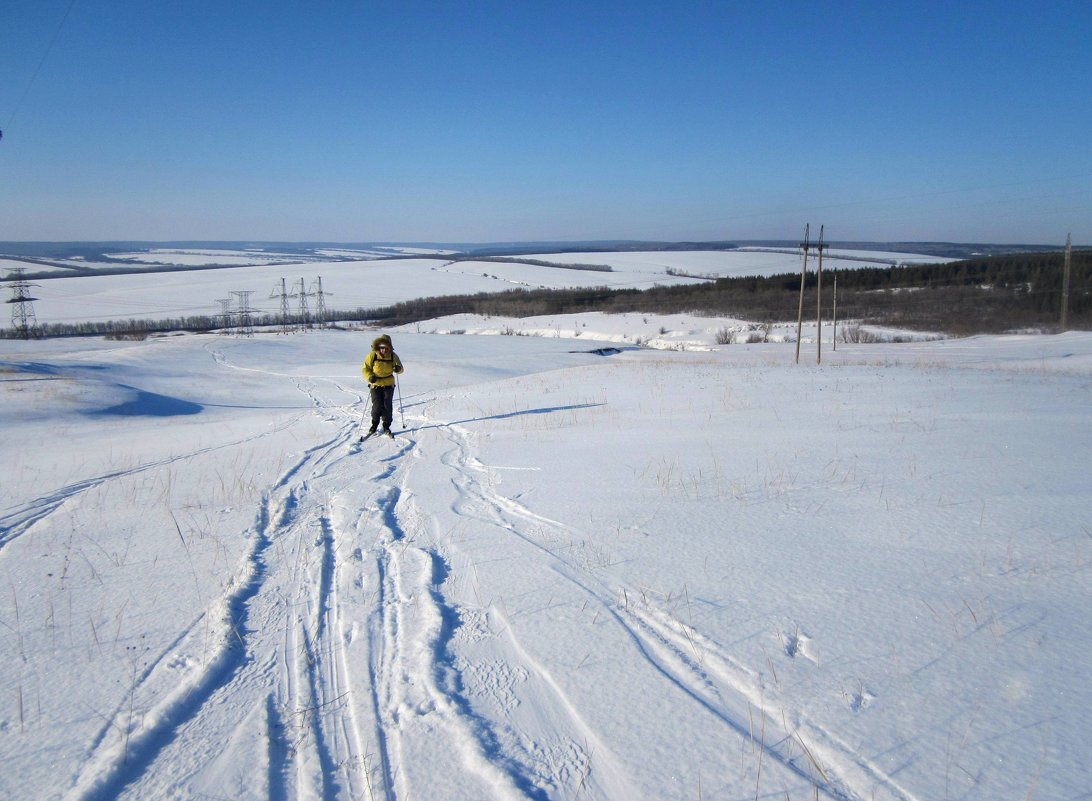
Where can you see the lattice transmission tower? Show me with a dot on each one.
(320, 301)
(23, 320)
(243, 312)
(286, 314)
(225, 314)
(305, 313)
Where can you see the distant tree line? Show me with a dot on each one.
(981, 295)
(138, 329)
(598, 268)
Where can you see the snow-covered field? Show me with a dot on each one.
(661, 331)
(742, 261)
(154, 259)
(658, 574)
(198, 257)
(370, 283)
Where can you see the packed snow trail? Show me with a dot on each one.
(272, 687)
(354, 663)
(332, 671)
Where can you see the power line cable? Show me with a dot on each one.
(41, 63)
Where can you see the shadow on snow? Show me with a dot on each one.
(506, 415)
(150, 404)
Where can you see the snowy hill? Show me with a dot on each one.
(658, 574)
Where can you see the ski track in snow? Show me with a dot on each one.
(317, 691)
(276, 685)
(696, 665)
(336, 674)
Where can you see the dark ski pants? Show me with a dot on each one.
(382, 406)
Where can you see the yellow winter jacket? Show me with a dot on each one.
(379, 369)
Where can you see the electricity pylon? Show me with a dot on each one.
(22, 309)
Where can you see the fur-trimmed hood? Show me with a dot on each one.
(379, 369)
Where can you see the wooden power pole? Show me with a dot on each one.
(834, 339)
(806, 245)
(803, 273)
(819, 302)
(1065, 279)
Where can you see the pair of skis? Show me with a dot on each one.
(387, 433)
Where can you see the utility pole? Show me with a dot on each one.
(806, 245)
(22, 310)
(834, 339)
(819, 302)
(1065, 279)
(803, 273)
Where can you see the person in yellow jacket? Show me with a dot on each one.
(380, 366)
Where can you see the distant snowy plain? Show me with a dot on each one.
(370, 281)
(687, 571)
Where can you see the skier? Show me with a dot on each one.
(380, 367)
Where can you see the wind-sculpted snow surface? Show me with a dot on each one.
(651, 575)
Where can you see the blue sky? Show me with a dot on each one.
(513, 121)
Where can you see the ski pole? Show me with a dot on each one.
(363, 416)
(401, 413)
